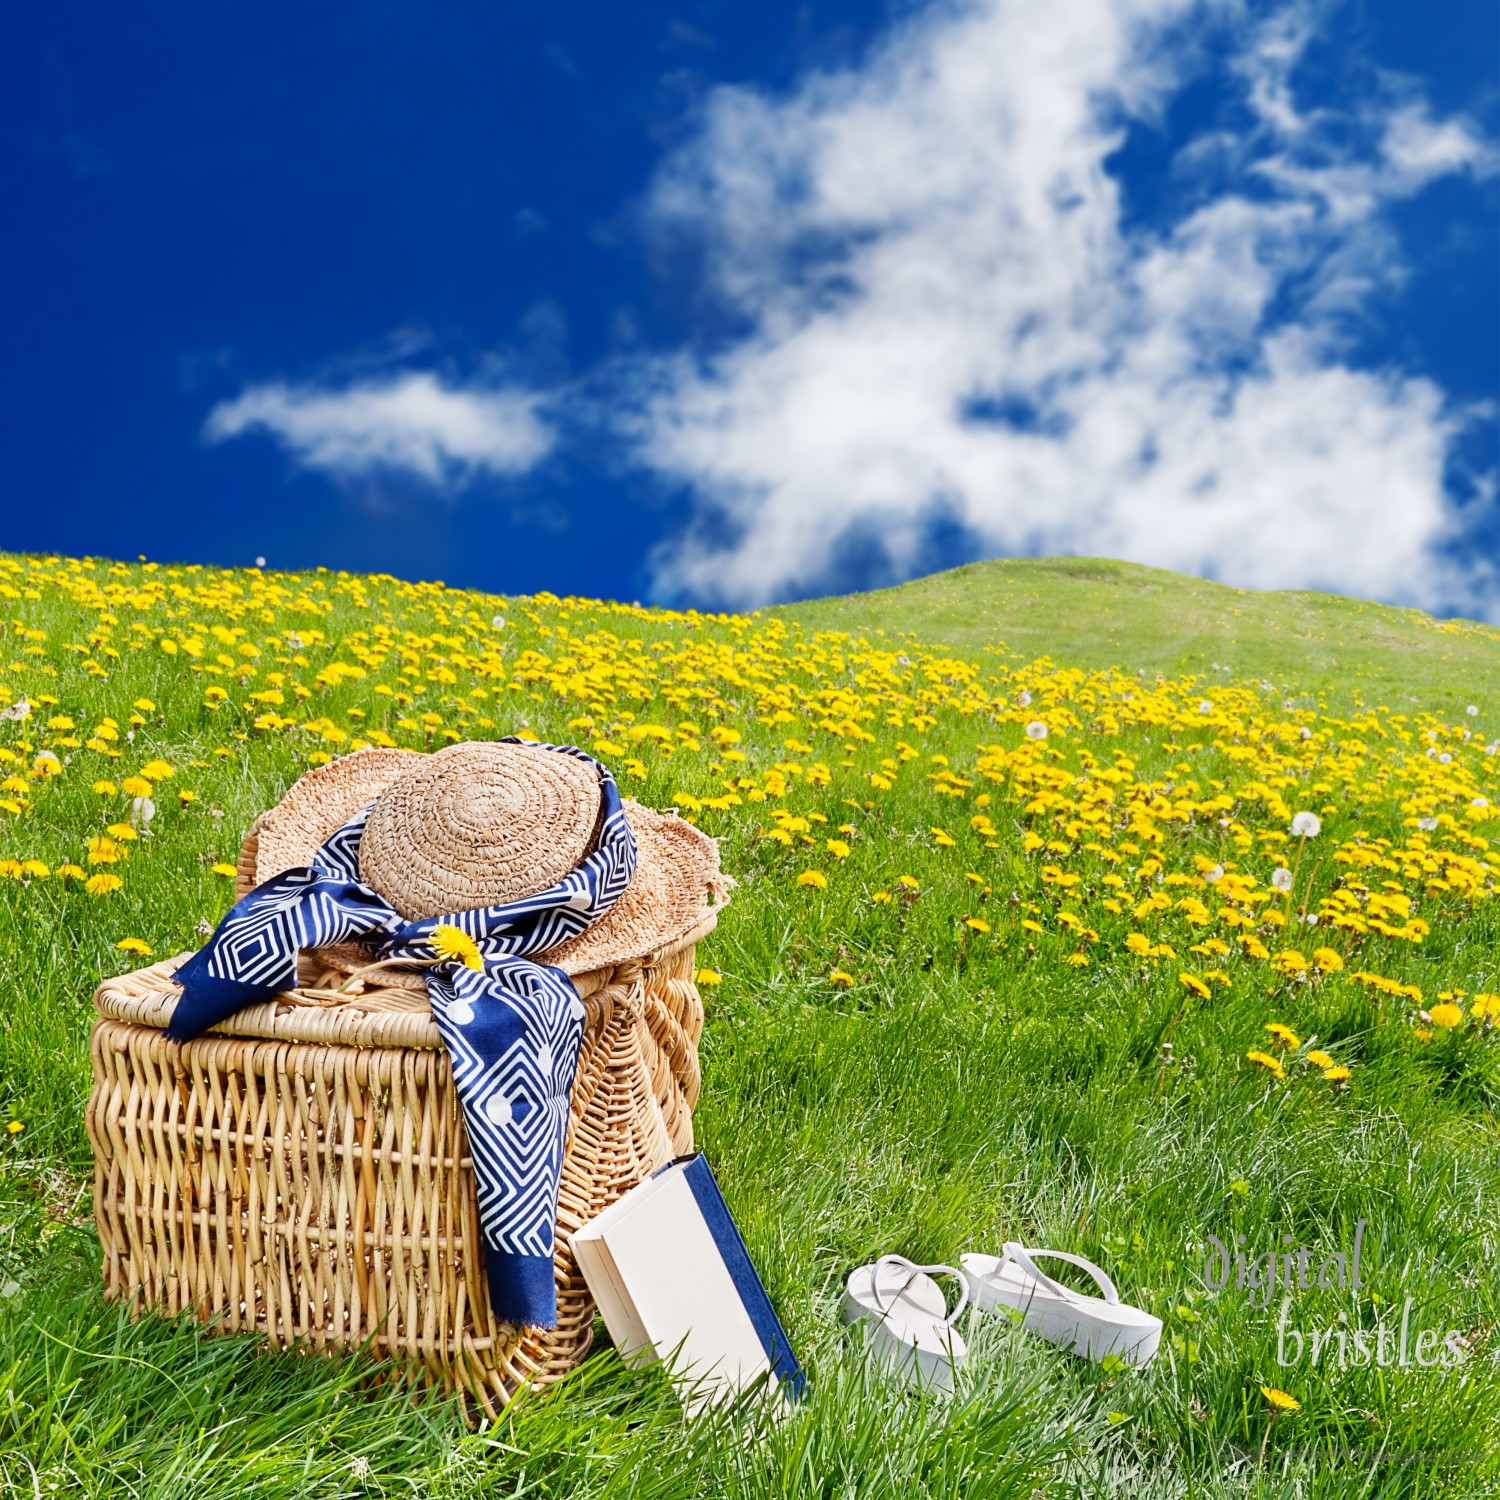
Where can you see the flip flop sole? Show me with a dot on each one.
(920, 1363)
(1091, 1337)
(902, 1320)
(1089, 1327)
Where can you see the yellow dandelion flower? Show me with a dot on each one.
(910, 882)
(978, 924)
(1278, 1400)
(15, 1127)
(881, 898)
(105, 788)
(1194, 986)
(450, 942)
(1327, 960)
(838, 976)
(1027, 925)
(1319, 1058)
(1077, 960)
(814, 878)
(1266, 1061)
(133, 945)
(1336, 1074)
(838, 848)
(71, 872)
(102, 885)
(708, 976)
(1485, 1005)
(227, 871)
(136, 786)
(157, 770)
(1447, 1015)
(1284, 1034)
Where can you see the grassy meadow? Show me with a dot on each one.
(1024, 946)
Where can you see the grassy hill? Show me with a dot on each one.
(1096, 612)
(1024, 946)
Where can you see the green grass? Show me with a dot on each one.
(1095, 612)
(956, 1094)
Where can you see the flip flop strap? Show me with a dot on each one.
(1022, 1258)
(914, 1270)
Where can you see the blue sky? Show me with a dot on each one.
(732, 304)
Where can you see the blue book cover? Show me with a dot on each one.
(773, 1340)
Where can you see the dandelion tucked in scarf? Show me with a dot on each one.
(512, 1027)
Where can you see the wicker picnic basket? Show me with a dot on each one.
(301, 1171)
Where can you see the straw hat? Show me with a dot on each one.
(481, 823)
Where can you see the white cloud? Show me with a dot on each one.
(948, 318)
(410, 423)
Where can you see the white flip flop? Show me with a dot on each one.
(1094, 1327)
(905, 1318)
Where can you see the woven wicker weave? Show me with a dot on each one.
(306, 1176)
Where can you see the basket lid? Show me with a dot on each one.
(395, 1015)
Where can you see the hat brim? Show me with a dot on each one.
(677, 885)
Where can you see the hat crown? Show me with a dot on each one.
(480, 824)
(677, 883)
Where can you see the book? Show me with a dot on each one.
(674, 1283)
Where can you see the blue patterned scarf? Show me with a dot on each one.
(512, 1029)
